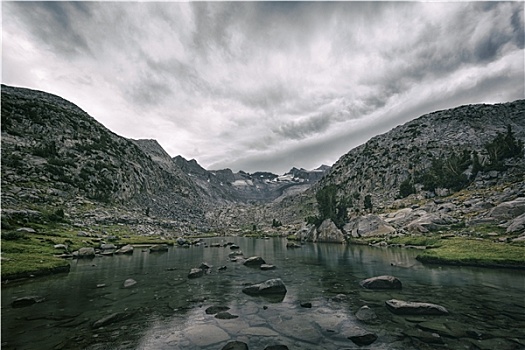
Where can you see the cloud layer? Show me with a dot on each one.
(264, 85)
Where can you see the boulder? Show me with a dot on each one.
(107, 246)
(273, 286)
(329, 233)
(508, 210)
(195, 272)
(127, 249)
(369, 225)
(430, 222)
(381, 282)
(517, 224)
(86, 252)
(400, 307)
(254, 261)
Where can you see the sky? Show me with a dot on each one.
(264, 86)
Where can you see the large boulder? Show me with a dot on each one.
(381, 282)
(368, 226)
(517, 224)
(430, 222)
(400, 307)
(256, 261)
(508, 210)
(329, 233)
(86, 252)
(273, 286)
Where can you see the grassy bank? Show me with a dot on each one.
(34, 253)
(475, 252)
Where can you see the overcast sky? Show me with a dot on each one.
(264, 86)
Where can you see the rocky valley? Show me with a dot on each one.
(457, 172)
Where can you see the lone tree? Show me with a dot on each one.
(329, 207)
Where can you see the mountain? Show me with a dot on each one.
(57, 158)
(425, 162)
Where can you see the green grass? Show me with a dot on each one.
(474, 252)
(427, 241)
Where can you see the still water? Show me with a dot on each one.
(166, 310)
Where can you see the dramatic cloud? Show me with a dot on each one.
(264, 85)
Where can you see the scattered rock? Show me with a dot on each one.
(129, 283)
(266, 267)
(235, 345)
(273, 286)
(195, 272)
(254, 261)
(27, 301)
(381, 282)
(401, 307)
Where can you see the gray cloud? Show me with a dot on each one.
(264, 85)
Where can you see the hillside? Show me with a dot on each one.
(55, 157)
(439, 170)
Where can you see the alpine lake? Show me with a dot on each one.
(146, 301)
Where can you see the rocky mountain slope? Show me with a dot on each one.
(55, 157)
(58, 159)
(439, 170)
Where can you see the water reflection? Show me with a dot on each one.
(168, 308)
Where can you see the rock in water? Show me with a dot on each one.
(127, 249)
(266, 267)
(273, 286)
(381, 282)
(254, 261)
(195, 272)
(359, 335)
(212, 310)
(86, 252)
(129, 283)
(400, 307)
(158, 248)
(366, 314)
(27, 301)
(224, 315)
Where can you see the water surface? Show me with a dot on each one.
(166, 310)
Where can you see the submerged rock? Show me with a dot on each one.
(401, 307)
(212, 310)
(366, 314)
(273, 286)
(27, 301)
(235, 345)
(381, 282)
(224, 315)
(129, 283)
